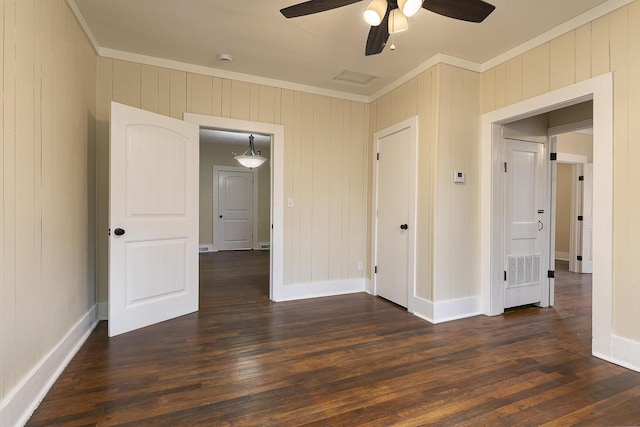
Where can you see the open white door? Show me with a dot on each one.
(524, 223)
(587, 218)
(153, 247)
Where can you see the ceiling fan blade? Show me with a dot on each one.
(378, 37)
(464, 10)
(314, 6)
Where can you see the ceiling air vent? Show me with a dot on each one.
(354, 77)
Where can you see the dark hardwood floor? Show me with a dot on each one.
(343, 361)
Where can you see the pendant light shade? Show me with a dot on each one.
(409, 7)
(250, 158)
(397, 22)
(374, 13)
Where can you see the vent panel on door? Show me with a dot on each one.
(523, 270)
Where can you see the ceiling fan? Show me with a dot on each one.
(390, 16)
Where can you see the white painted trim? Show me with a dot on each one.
(85, 27)
(565, 27)
(570, 127)
(205, 248)
(319, 289)
(625, 352)
(446, 311)
(215, 72)
(439, 58)
(600, 89)
(562, 256)
(411, 124)
(570, 158)
(19, 404)
(254, 198)
(103, 310)
(276, 280)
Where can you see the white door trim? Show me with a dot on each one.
(412, 125)
(216, 214)
(600, 90)
(276, 279)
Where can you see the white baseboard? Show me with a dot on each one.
(624, 352)
(446, 311)
(206, 248)
(319, 289)
(103, 311)
(19, 404)
(562, 256)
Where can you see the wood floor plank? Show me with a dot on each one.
(352, 360)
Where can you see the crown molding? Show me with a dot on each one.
(565, 27)
(83, 23)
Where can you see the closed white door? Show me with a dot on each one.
(392, 224)
(587, 218)
(524, 222)
(235, 210)
(153, 246)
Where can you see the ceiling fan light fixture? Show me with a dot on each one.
(374, 13)
(409, 7)
(397, 22)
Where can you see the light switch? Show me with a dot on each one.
(458, 177)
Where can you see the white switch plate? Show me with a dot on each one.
(458, 177)
(360, 266)
(290, 203)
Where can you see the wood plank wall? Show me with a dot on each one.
(326, 158)
(608, 44)
(446, 101)
(47, 117)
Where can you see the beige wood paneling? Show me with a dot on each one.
(126, 83)
(501, 85)
(535, 71)
(583, 52)
(563, 206)
(48, 72)
(200, 91)
(600, 29)
(562, 58)
(320, 187)
(513, 80)
(149, 88)
(177, 93)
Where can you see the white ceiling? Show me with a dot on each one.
(311, 50)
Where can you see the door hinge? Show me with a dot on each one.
(579, 257)
(375, 270)
(377, 156)
(505, 167)
(554, 156)
(580, 218)
(109, 232)
(581, 178)
(551, 274)
(505, 276)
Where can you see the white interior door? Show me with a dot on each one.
(524, 223)
(153, 247)
(393, 217)
(235, 210)
(587, 218)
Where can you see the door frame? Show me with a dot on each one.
(600, 90)
(412, 125)
(276, 252)
(216, 213)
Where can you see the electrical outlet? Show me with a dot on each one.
(360, 266)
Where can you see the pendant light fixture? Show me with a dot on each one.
(397, 22)
(409, 7)
(250, 158)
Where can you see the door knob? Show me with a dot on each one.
(541, 225)
(404, 227)
(118, 231)
(220, 216)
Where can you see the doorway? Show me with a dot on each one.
(276, 180)
(600, 90)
